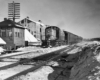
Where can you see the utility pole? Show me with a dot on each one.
(13, 11)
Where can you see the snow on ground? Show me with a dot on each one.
(11, 71)
(5, 63)
(53, 63)
(28, 48)
(33, 52)
(9, 60)
(75, 50)
(79, 46)
(88, 65)
(87, 43)
(32, 48)
(40, 74)
(13, 59)
(1, 49)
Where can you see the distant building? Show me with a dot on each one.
(35, 28)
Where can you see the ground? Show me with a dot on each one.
(81, 63)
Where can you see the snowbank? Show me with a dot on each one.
(1, 50)
(88, 65)
(2, 41)
(41, 74)
(81, 63)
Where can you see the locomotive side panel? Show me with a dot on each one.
(61, 40)
(61, 35)
(66, 37)
(43, 32)
(72, 38)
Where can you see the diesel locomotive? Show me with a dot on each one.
(54, 36)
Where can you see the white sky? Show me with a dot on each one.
(81, 17)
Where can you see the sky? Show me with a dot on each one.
(81, 17)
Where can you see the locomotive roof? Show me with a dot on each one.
(10, 23)
(53, 27)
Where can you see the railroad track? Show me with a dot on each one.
(19, 53)
(31, 64)
(13, 60)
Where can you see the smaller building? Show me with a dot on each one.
(12, 33)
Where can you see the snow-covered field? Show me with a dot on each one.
(43, 72)
(40, 74)
(79, 46)
(32, 52)
(8, 72)
(1, 49)
(12, 71)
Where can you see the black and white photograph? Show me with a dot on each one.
(49, 39)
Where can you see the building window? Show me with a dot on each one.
(40, 29)
(10, 34)
(3, 33)
(21, 34)
(18, 34)
(29, 30)
(32, 32)
(34, 35)
(15, 34)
